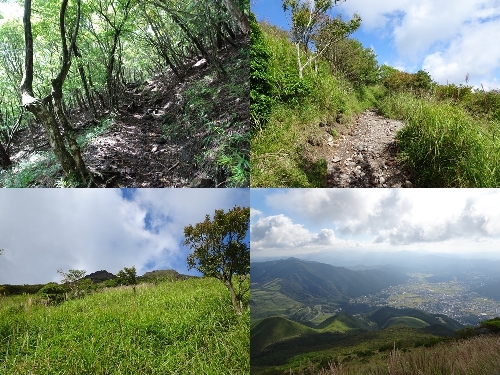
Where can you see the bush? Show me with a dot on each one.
(261, 100)
(492, 325)
(53, 292)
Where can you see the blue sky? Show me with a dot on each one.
(293, 222)
(97, 229)
(447, 38)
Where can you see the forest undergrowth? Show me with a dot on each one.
(125, 94)
(165, 133)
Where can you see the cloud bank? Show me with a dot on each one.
(437, 219)
(91, 229)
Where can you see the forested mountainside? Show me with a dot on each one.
(125, 93)
(306, 281)
(317, 96)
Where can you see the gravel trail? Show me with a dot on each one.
(366, 156)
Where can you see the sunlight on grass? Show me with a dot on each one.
(186, 327)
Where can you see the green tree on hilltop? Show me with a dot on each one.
(220, 250)
(127, 276)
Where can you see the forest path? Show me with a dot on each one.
(366, 155)
(135, 148)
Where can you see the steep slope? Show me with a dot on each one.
(307, 281)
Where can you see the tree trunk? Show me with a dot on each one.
(5, 161)
(234, 300)
(83, 77)
(238, 15)
(72, 165)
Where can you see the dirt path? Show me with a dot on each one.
(366, 155)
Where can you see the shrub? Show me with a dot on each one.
(261, 100)
(53, 292)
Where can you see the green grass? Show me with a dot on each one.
(38, 168)
(185, 327)
(281, 155)
(444, 145)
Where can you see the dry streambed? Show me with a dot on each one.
(366, 155)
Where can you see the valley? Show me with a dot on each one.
(309, 312)
(456, 299)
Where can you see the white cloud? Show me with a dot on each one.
(254, 213)
(475, 51)
(278, 234)
(92, 229)
(448, 38)
(388, 218)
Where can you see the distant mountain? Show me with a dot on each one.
(409, 261)
(307, 281)
(100, 276)
(490, 290)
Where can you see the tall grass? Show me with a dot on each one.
(443, 145)
(186, 327)
(476, 356)
(280, 153)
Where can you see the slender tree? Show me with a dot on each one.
(306, 19)
(53, 121)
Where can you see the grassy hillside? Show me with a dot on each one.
(271, 330)
(354, 340)
(476, 356)
(290, 115)
(184, 327)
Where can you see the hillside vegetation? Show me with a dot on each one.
(182, 327)
(293, 283)
(476, 356)
(450, 137)
(278, 344)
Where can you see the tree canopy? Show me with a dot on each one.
(313, 29)
(84, 55)
(220, 250)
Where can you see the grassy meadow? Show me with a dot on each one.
(183, 327)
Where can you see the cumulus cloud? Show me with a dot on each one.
(91, 229)
(395, 217)
(448, 38)
(278, 234)
(324, 205)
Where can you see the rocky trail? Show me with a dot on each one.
(366, 155)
